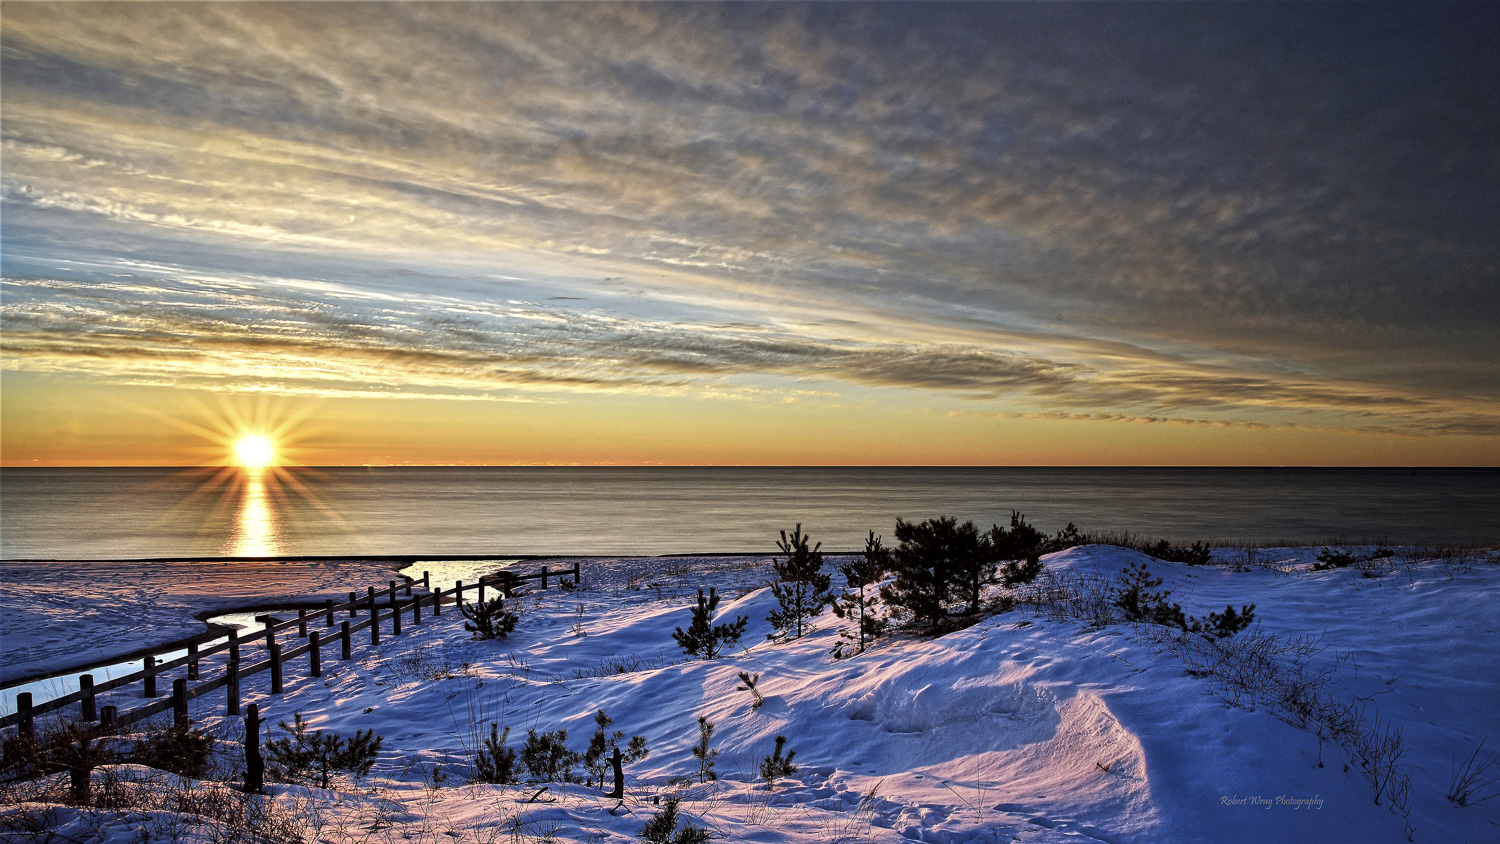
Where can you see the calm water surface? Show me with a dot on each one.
(122, 513)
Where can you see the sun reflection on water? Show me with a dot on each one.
(257, 529)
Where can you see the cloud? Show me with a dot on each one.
(1125, 207)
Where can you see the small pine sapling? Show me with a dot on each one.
(496, 763)
(547, 756)
(747, 684)
(663, 828)
(776, 766)
(1225, 624)
(703, 753)
(802, 587)
(488, 620)
(704, 639)
(858, 605)
(315, 757)
(1196, 555)
(597, 755)
(1142, 601)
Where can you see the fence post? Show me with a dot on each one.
(255, 766)
(395, 615)
(426, 581)
(416, 610)
(314, 658)
(86, 685)
(577, 574)
(270, 634)
(544, 578)
(233, 686)
(192, 661)
(179, 702)
(327, 612)
(25, 725)
(345, 646)
(302, 623)
(150, 676)
(437, 601)
(234, 645)
(458, 593)
(374, 617)
(275, 669)
(353, 607)
(408, 586)
(109, 718)
(392, 591)
(480, 599)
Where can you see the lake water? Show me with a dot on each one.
(124, 513)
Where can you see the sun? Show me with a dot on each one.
(254, 452)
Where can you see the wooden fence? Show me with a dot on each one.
(386, 605)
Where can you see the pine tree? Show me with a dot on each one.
(703, 638)
(857, 604)
(1020, 548)
(703, 753)
(803, 587)
(547, 756)
(596, 756)
(924, 568)
(776, 766)
(662, 826)
(306, 755)
(495, 762)
(1143, 601)
(490, 620)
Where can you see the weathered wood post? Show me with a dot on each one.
(392, 591)
(86, 685)
(544, 578)
(480, 599)
(374, 617)
(192, 661)
(270, 633)
(150, 676)
(275, 669)
(618, 792)
(179, 703)
(234, 645)
(109, 720)
(314, 655)
(437, 602)
(25, 724)
(426, 581)
(395, 615)
(353, 604)
(458, 593)
(233, 686)
(416, 610)
(255, 766)
(327, 612)
(577, 574)
(302, 623)
(408, 586)
(507, 584)
(346, 648)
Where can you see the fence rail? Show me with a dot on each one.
(385, 605)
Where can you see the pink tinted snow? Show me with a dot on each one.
(61, 615)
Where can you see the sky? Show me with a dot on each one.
(771, 234)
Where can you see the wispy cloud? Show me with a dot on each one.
(1116, 209)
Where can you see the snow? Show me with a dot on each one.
(1022, 727)
(50, 607)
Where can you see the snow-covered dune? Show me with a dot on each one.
(1022, 727)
